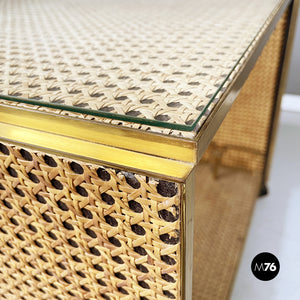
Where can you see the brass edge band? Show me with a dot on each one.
(129, 139)
(187, 237)
(95, 153)
(214, 120)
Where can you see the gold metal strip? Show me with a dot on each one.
(144, 142)
(187, 237)
(153, 165)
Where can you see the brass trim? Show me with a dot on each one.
(187, 237)
(282, 85)
(218, 114)
(135, 161)
(129, 139)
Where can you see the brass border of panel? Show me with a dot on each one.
(187, 237)
(96, 153)
(99, 133)
(218, 114)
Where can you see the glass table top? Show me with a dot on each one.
(161, 63)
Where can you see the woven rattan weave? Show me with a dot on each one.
(223, 209)
(70, 230)
(157, 60)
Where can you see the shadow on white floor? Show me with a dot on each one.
(275, 226)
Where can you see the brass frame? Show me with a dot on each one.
(99, 133)
(156, 155)
(154, 166)
(147, 153)
(187, 236)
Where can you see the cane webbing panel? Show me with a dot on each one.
(72, 230)
(242, 139)
(162, 61)
(223, 209)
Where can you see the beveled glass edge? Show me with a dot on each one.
(145, 121)
(102, 114)
(113, 116)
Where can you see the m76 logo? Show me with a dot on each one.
(265, 267)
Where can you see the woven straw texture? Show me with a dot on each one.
(242, 139)
(223, 208)
(71, 230)
(158, 60)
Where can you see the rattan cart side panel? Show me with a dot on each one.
(73, 230)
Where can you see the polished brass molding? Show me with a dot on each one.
(106, 134)
(187, 236)
(142, 152)
(96, 153)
